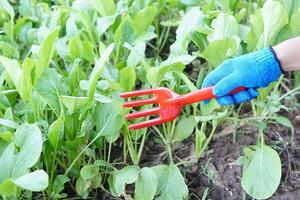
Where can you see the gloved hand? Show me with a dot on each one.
(253, 70)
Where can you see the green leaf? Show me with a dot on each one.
(127, 78)
(35, 181)
(146, 184)
(89, 171)
(257, 27)
(111, 183)
(103, 163)
(184, 128)
(55, 131)
(285, 122)
(219, 50)
(29, 139)
(141, 21)
(21, 77)
(103, 99)
(8, 190)
(127, 175)
(74, 103)
(156, 74)
(143, 3)
(7, 161)
(137, 54)
(290, 5)
(13, 68)
(88, 52)
(4, 4)
(228, 4)
(96, 181)
(21, 154)
(104, 7)
(84, 19)
(112, 138)
(294, 24)
(182, 59)
(104, 23)
(199, 39)
(26, 79)
(75, 47)
(82, 188)
(186, 27)
(46, 52)
(7, 136)
(171, 183)
(50, 86)
(262, 176)
(224, 26)
(274, 18)
(153, 76)
(145, 37)
(95, 75)
(8, 49)
(58, 184)
(108, 119)
(124, 33)
(8, 123)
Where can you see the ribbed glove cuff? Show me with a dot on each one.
(267, 57)
(276, 58)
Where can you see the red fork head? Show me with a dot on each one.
(166, 110)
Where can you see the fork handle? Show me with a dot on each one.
(201, 95)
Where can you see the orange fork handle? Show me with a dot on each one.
(201, 95)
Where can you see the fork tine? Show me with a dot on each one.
(142, 113)
(145, 124)
(137, 93)
(139, 102)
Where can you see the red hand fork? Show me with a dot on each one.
(169, 104)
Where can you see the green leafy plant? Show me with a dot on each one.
(17, 158)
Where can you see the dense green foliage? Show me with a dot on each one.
(63, 64)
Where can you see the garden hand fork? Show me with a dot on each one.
(169, 104)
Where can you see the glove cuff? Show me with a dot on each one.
(276, 58)
(268, 60)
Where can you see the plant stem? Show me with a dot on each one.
(169, 148)
(142, 146)
(289, 93)
(209, 138)
(109, 151)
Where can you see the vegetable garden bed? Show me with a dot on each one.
(63, 134)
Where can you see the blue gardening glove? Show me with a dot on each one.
(253, 70)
